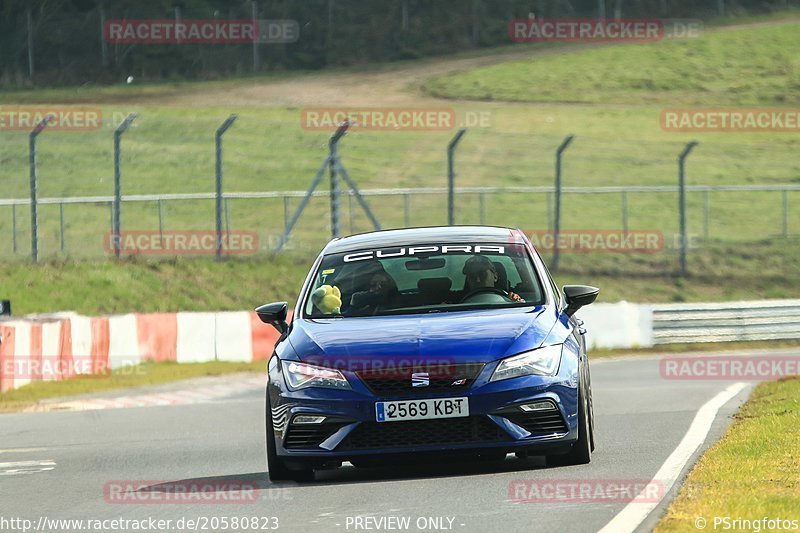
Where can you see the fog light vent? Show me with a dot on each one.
(542, 405)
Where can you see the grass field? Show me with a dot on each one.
(619, 141)
(752, 472)
(757, 66)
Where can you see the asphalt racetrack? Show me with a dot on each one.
(122, 462)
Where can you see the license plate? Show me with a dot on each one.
(421, 409)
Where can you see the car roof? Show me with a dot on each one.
(423, 235)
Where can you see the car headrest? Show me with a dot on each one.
(434, 285)
(502, 276)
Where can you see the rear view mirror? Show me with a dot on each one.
(578, 296)
(425, 264)
(274, 314)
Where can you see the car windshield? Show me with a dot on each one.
(423, 279)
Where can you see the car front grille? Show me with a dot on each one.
(417, 381)
(310, 435)
(465, 430)
(539, 422)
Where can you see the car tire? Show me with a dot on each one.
(581, 451)
(276, 468)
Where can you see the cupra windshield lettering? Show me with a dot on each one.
(422, 250)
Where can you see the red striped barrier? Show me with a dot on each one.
(60, 347)
(157, 334)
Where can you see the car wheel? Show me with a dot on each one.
(581, 451)
(276, 468)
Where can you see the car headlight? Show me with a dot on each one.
(301, 375)
(540, 362)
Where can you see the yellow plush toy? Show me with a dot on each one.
(328, 299)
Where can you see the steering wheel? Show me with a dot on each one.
(481, 290)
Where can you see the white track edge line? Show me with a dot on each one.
(633, 514)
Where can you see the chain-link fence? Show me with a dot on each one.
(734, 192)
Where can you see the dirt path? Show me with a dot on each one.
(396, 84)
(393, 84)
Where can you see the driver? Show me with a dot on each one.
(480, 273)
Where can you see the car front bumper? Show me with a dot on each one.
(495, 421)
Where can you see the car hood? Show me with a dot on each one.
(474, 336)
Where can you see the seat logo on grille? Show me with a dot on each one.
(420, 379)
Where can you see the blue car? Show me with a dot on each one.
(423, 342)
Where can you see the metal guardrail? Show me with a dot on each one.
(400, 191)
(732, 321)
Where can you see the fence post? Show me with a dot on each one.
(29, 21)
(706, 209)
(333, 147)
(451, 177)
(218, 151)
(103, 42)
(682, 201)
(303, 203)
(557, 223)
(256, 59)
(355, 192)
(118, 181)
(34, 178)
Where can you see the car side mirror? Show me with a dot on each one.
(274, 314)
(578, 296)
